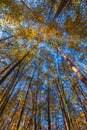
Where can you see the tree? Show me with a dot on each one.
(43, 65)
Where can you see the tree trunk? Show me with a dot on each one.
(60, 8)
(66, 122)
(48, 102)
(79, 74)
(65, 118)
(7, 67)
(24, 104)
(13, 115)
(6, 99)
(12, 68)
(76, 90)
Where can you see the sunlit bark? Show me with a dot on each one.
(78, 73)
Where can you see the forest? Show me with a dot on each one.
(43, 64)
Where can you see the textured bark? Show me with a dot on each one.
(78, 73)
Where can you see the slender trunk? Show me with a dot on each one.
(10, 86)
(79, 74)
(4, 88)
(3, 105)
(12, 68)
(66, 122)
(13, 115)
(39, 109)
(7, 67)
(8, 89)
(81, 104)
(31, 118)
(48, 102)
(35, 109)
(60, 8)
(39, 115)
(22, 110)
(59, 80)
(35, 125)
(80, 88)
(65, 118)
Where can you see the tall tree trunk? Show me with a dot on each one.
(8, 88)
(8, 66)
(60, 8)
(39, 115)
(59, 81)
(31, 118)
(12, 68)
(6, 99)
(79, 74)
(35, 107)
(66, 122)
(13, 115)
(76, 90)
(65, 118)
(24, 104)
(48, 105)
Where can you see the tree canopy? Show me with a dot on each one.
(43, 65)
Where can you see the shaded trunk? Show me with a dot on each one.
(48, 105)
(13, 115)
(39, 115)
(24, 104)
(65, 118)
(7, 67)
(6, 99)
(79, 74)
(12, 68)
(79, 100)
(35, 109)
(66, 122)
(59, 81)
(31, 119)
(60, 8)
(8, 88)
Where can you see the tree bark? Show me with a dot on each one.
(8, 66)
(22, 110)
(60, 8)
(6, 99)
(65, 118)
(13, 115)
(66, 122)
(48, 102)
(12, 68)
(78, 73)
